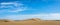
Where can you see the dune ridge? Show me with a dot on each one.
(33, 21)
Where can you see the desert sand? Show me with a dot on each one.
(33, 21)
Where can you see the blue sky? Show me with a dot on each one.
(26, 9)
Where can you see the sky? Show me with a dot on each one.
(26, 9)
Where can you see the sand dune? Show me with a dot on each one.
(33, 21)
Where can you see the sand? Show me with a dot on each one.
(30, 22)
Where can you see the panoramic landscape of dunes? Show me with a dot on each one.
(29, 12)
(34, 21)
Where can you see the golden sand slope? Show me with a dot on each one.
(30, 22)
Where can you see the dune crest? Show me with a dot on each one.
(35, 19)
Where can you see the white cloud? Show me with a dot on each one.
(52, 16)
(12, 7)
(4, 3)
(17, 10)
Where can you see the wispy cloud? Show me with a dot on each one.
(18, 10)
(12, 7)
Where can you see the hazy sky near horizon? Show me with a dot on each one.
(26, 9)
